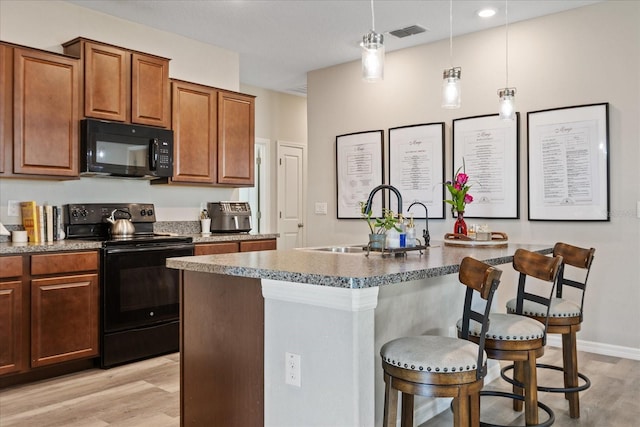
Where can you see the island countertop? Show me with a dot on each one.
(347, 270)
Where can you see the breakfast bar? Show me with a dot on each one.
(290, 338)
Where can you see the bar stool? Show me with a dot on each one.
(565, 318)
(442, 366)
(520, 339)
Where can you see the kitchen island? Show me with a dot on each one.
(244, 314)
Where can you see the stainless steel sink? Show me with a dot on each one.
(341, 249)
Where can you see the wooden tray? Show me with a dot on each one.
(498, 240)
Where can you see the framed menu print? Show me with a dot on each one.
(487, 149)
(416, 167)
(359, 170)
(569, 163)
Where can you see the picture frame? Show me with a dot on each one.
(568, 163)
(488, 150)
(416, 167)
(359, 169)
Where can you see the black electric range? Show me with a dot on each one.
(139, 295)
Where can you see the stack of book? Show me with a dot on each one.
(43, 223)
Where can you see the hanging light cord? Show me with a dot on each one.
(373, 18)
(451, 33)
(506, 25)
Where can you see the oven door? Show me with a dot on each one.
(138, 290)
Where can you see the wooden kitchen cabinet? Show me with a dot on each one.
(64, 309)
(49, 310)
(230, 247)
(64, 319)
(194, 124)
(216, 248)
(45, 113)
(257, 245)
(11, 315)
(123, 85)
(236, 122)
(213, 133)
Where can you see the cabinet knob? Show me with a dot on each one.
(300, 225)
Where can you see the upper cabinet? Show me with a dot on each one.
(236, 122)
(213, 136)
(194, 123)
(45, 113)
(123, 85)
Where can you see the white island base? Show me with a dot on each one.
(338, 333)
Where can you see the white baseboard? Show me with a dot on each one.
(599, 348)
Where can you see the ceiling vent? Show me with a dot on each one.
(408, 31)
(300, 90)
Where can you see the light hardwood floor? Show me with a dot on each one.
(147, 394)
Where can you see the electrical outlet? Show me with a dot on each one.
(292, 369)
(453, 333)
(13, 208)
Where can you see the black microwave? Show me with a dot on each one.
(125, 150)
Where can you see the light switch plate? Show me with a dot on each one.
(321, 208)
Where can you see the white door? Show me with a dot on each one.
(291, 195)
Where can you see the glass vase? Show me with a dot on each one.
(460, 227)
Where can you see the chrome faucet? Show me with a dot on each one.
(425, 232)
(382, 187)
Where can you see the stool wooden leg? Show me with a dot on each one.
(518, 376)
(390, 403)
(570, 360)
(531, 390)
(407, 410)
(474, 410)
(461, 411)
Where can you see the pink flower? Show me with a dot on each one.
(457, 186)
(462, 178)
(468, 198)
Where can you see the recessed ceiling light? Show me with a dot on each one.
(486, 12)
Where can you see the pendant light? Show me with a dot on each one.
(451, 76)
(372, 53)
(507, 94)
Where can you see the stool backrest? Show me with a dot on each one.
(538, 266)
(481, 279)
(579, 258)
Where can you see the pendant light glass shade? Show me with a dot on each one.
(451, 91)
(372, 57)
(507, 103)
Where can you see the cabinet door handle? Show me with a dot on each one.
(300, 225)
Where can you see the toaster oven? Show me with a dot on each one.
(230, 217)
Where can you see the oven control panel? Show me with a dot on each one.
(93, 213)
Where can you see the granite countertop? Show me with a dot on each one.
(10, 248)
(347, 270)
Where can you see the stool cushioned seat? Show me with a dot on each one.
(559, 308)
(431, 354)
(507, 327)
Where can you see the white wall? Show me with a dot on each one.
(583, 56)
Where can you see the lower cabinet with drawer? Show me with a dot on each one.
(49, 310)
(238, 246)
